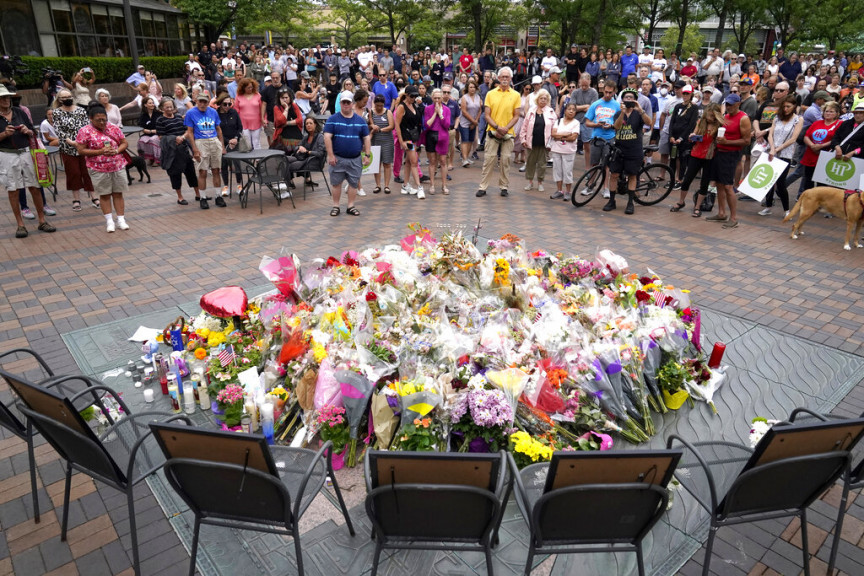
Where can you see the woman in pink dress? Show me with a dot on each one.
(436, 137)
(253, 112)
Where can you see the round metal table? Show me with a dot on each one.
(253, 158)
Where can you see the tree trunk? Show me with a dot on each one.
(477, 17)
(683, 20)
(721, 26)
(598, 22)
(391, 24)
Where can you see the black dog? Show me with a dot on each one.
(139, 164)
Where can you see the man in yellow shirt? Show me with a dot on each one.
(501, 111)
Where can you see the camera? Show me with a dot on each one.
(629, 104)
(11, 66)
(53, 76)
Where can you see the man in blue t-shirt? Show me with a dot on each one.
(384, 87)
(600, 117)
(348, 143)
(628, 62)
(202, 124)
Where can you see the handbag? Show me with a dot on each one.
(413, 134)
(242, 144)
(40, 162)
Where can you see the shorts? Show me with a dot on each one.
(598, 151)
(107, 183)
(468, 134)
(725, 163)
(211, 154)
(585, 132)
(348, 169)
(628, 166)
(77, 176)
(16, 170)
(664, 143)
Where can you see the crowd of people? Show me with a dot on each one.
(711, 115)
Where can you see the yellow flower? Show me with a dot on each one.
(215, 339)
(319, 352)
(203, 332)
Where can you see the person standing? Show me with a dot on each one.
(382, 135)
(202, 128)
(736, 136)
(348, 143)
(102, 144)
(68, 120)
(253, 112)
(628, 126)
(175, 152)
(600, 117)
(582, 97)
(536, 137)
(565, 135)
(501, 110)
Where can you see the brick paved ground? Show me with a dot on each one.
(81, 276)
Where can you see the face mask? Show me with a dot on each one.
(664, 91)
(67, 101)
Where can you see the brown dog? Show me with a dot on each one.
(834, 200)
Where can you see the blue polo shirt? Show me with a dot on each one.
(348, 134)
(202, 123)
(388, 90)
(628, 64)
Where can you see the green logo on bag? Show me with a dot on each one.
(760, 176)
(839, 171)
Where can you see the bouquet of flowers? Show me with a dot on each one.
(482, 417)
(230, 400)
(333, 426)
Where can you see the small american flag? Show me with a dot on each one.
(659, 298)
(227, 355)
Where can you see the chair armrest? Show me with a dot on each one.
(519, 489)
(711, 507)
(304, 481)
(92, 387)
(798, 411)
(137, 446)
(34, 355)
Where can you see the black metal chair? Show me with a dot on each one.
(307, 176)
(13, 420)
(270, 487)
(737, 485)
(621, 494)
(118, 457)
(267, 174)
(436, 501)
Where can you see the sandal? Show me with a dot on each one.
(697, 213)
(21, 232)
(376, 190)
(387, 190)
(677, 207)
(76, 205)
(352, 211)
(445, 191)
(334, 211)
(95, 202)
(46, 227)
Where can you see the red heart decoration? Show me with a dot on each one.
(225, 302)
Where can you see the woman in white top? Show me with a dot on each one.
(565, 136)
(114, 115)
(303, 95)
(471, 107)
(82, 80)
(772, 67)
(182, 102)
(46, 129)
(781, 141)
(658, 67)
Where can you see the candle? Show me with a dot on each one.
(148, 395)
(717, 355)
(189, 403)
(267, 421)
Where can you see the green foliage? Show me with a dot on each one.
(291, 21)
(480, 18)
(671, 376)
(693, 39)
(217, 17)
(106, 69)
(426, 32)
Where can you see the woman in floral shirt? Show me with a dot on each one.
(102, 144)
(68, 120)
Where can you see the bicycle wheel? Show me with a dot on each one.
(654, 183)
(591, 183)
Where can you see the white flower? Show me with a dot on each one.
(477, 382)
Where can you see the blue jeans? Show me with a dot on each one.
(22, 197)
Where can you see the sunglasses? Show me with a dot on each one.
(226, 103)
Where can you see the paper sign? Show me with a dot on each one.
(762, 176)
(144, 334)
(840, 173)
(375, 164)
(249, 380)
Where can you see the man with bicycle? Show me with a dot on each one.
(600, 117)
(629, 124)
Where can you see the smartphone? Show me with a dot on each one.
(695, 138)
(88, 70)
(410, 145)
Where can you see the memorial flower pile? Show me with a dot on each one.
(436, 344)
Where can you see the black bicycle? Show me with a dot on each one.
(653, 184)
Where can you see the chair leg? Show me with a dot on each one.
(324, 177)
(299, 552)
(194, 551)
(488, 551)
(530, 559)
(32, 457)
(839, 526)
(640, 560)
(376, 557)
(66, 493)
(133, 530)
(804, 544)
(709, 546)
(342, 504)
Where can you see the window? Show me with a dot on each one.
(118, 22)
(81, 17)
(101, 22)
(67, 45)
(62, 14)
(18, 29)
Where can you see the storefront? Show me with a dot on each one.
(76, 28)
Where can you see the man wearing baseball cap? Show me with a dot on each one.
(202, 129)
(628, 126)
(348, 142)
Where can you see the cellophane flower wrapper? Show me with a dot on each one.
(511, 381)
(634, 385)
(283, 272)
(599, 385)
(418, 405)
(615, 263)
(328, 391)
(612, 364)
(705, 391)
(384, 421)
(356, 392)
(651, 364)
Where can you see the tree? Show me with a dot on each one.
(218, 17)
(682, 12)
(293, 20)
(349, 20)
(397, 15)
(567, 18)
(791, 18)
(481, 18)
(645, 15)
(747, 16)
(722, 8)
(837, 21)
(691, 41)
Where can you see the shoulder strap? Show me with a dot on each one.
(851, 134)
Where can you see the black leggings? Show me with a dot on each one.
(189, 172)
(693, 167)
(782, 191)
(237, 172)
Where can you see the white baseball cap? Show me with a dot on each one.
(346, 95)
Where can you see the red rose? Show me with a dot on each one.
(687, 312)
(646, 280)
(642, 296)
(371, 297)
(332, 262)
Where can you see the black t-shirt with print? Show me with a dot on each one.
(628, 138)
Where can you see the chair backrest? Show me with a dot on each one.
(10, 416)
(272, 169)
(620, 494)
(432, 496)
(229, 491)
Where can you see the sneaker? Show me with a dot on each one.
(630, 208)
(585, 192)
(361, 192)
(786, 214)
(421, 195)
(480, 193)
(504, 192)
(398, 180)
(405, 189)
(284, 194)
(465, 163)
(522, 168)
(557, 195)
(424, 178)
(49, 211)
(220, 202)
(238, 188)
(28, 214)
(474, 156)
(606, 193)
(413, 191)
(528, 186)
(765, 212)
(677, 186)
(122, 225)
(224, 191)
(21, 232)
(540, 188)
(110, 226)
